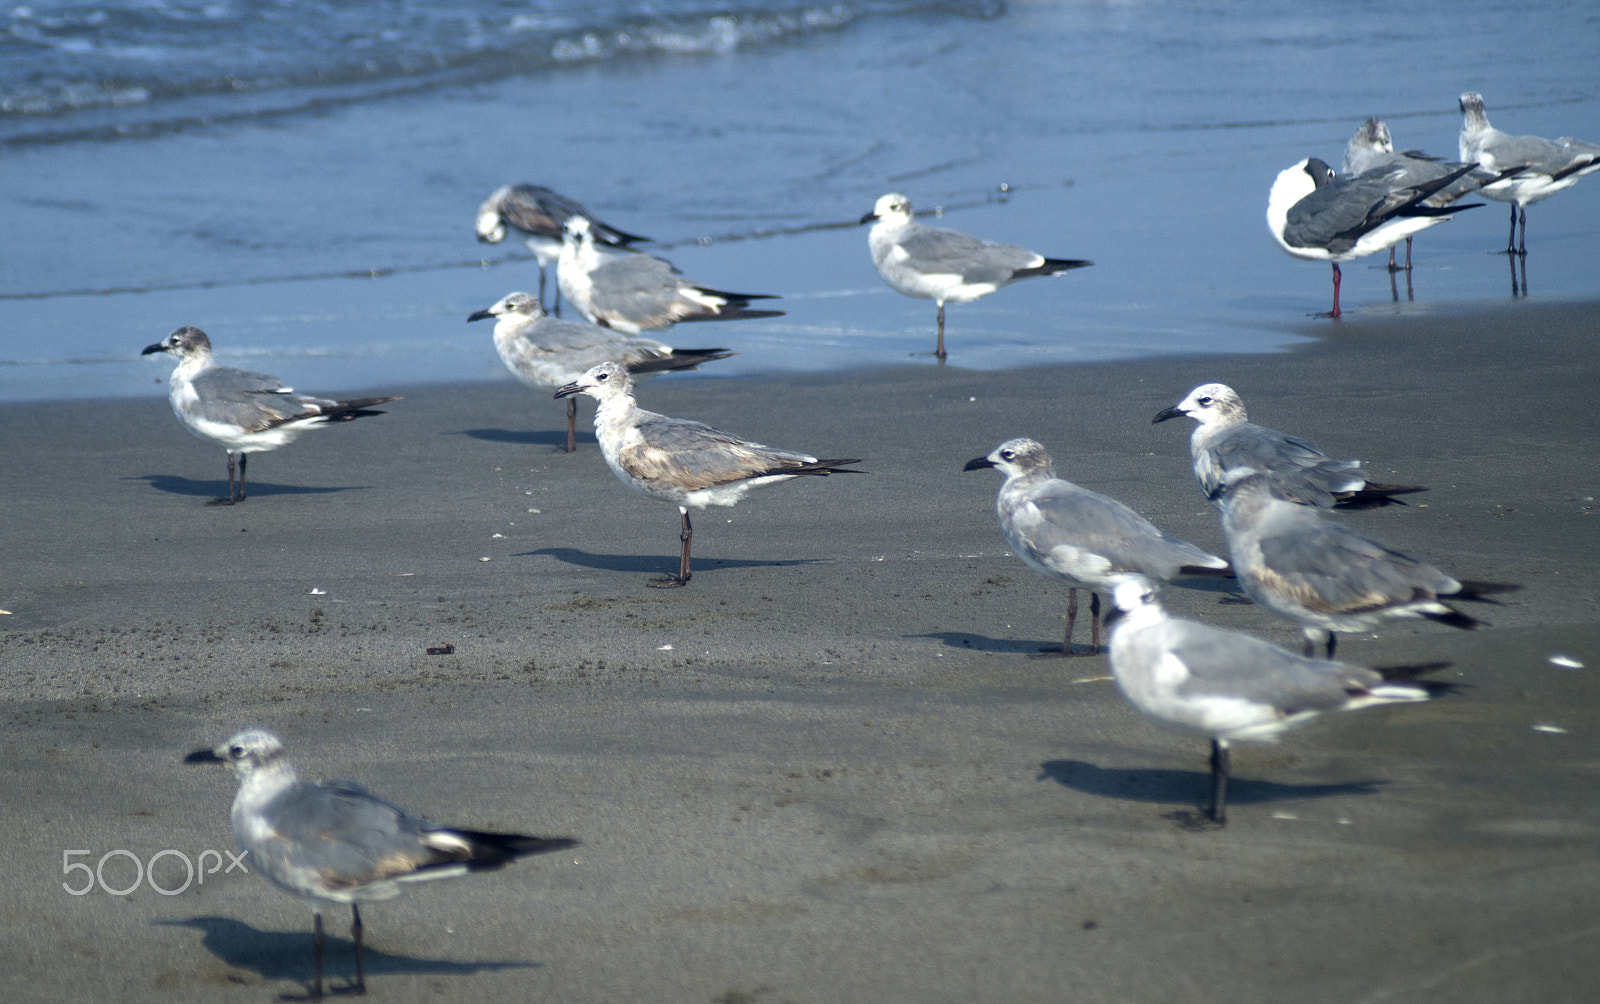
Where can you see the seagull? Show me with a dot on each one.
(679, 461)
(1225, 439)
(1225, 685)
(539, 214)
(1325, 576)
(547, 353)
(1081, 537)
(933, 263)
(633, 292)
(1316, 216)
(1371, 146)
(245, 412)
(334, 842)
(1543, 167)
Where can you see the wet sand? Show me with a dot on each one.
(848, 777)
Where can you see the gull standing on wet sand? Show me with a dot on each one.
(242, 411)
(633, 292)
(1225, 439)
(934, 263)
(1539, 168)
(547, 353)
(539, 215)
(333, 842)
(679, 461)
(1081, 537)
(1325, 576)
(1316, 216)
(1225, 686)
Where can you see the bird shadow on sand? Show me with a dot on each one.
(286, 955)
(551, 437)
(1185, 787)
(667, 564)
(982, 643)
(174, 485)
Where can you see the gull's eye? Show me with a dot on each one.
(237, 752)
(1205, 402)
(603, 377)
(1008, 454)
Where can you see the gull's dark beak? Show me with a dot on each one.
(1113, 615)
(203, 756)
(1167, 413)
(978, 464)
(157, 347)
(867, 218)
(570, 389)
(480, 315)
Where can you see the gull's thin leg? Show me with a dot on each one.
(1094, 623)
(682, 579)
(316, 955)
(232, 467)
(1392, 266)
(1337, 275)
(1522, 242)
(939, 353)
(243, 459)
(1072, 620)
(355, 935)
(1408, 253)
(1511, 241)
(541, 285)
(1333, 640)
(572, 424)
(1219, 782)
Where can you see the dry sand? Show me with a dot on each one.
(831, 768)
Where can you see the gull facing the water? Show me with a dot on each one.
(334, 842)
(1225, 439)
(546, 352)
(679, 461)
(1325, 576)
(242, 411)
(934, 263)
(633, 292)
(1538, 168)
(1081, 537)
(539, 216)
(1228, 686)
(1314, 215)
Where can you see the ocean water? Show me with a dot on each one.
(300, 178)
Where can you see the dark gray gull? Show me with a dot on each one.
(1324, 576)
(546, 353)
(334, 842)
(633, 292)
(1081, 537)
(1225, 439)
(1372, 146)
(539, 214)
(1227, 686)
(1314, 215)
(1539, 168)
(947, 266)
(679, 461)
(242, 411)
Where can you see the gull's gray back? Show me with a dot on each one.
(1297, 468)
(941, 251)
(1048, 520)
(336, 836)
(252, 401)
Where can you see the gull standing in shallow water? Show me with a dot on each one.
(933, 263)
(539, 215)
(1371, 146)
(679, 461)
(1538, 168)
(1225, 686)
(1225, 439)
(333, 842)
(1081, 537)
(1325, 576)
(547, 353)
(634, 292)
(1316, 216)
(244, 412)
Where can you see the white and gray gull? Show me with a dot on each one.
(244, 412)
(334, 842)
(947, 266)
(1324, 576)
(1081, 537)
(539, 215)
(1314, 215)
(1227, 686)
(679, 461)
(1372, 146)
(1521, 170)
(1225, 439)
(547, 353)
(633, 292)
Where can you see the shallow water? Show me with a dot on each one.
(319, 225)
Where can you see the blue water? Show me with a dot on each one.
(300, 179)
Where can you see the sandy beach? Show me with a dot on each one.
(831, 769)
